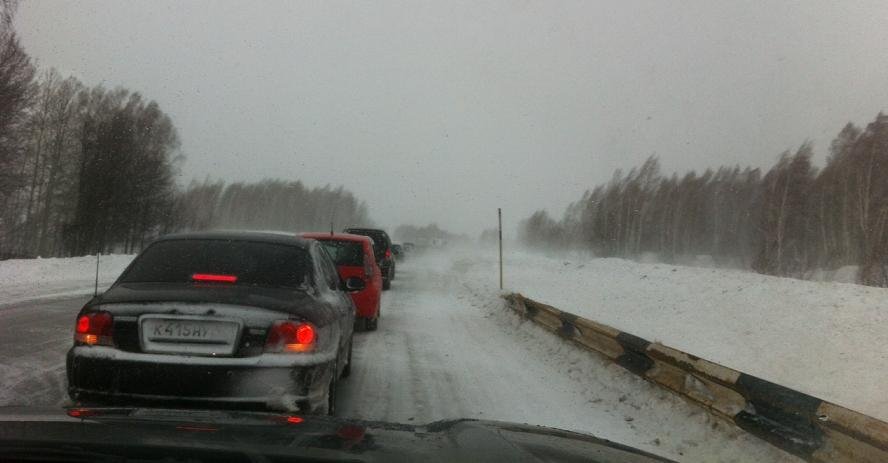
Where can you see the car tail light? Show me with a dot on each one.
(94, 329)
(388, 253)
(287, 419)
(290, 336)
(82, 412)
(214, 278)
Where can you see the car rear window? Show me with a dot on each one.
(345, 252)
(253, 263)
(379, 241)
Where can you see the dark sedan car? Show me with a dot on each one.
(235, 318)
(382, 249)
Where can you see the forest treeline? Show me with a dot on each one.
(789, 221)
(86, 169)
(270, 205)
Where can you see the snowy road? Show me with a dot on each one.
(442, 351)
(34, 337)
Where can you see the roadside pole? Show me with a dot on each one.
(499, 215)
(96, 288)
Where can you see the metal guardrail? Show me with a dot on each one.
(803, 425)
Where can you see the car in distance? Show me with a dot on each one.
(354, 258)
(222, 318)
(398, 251)
(382, 249)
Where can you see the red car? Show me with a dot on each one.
(353, 256)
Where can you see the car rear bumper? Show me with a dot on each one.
(140, 378)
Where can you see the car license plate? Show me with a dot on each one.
(188, 335)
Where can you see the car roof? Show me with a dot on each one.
(238, 235)
(365, 230)
(336, 236)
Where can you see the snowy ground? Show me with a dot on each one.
(825, 339)
(446, 347)
(29, 279)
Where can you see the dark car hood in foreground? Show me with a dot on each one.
(152, 434)
(287, 300)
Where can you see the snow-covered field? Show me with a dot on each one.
(825, 339)
(28, 279)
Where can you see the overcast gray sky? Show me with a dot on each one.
(443, 111)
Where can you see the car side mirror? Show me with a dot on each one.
(354, 284)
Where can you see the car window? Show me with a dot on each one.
(329, 274)
(344, 252)
(259, 264)
(380, 239)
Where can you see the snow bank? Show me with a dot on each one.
(825, 339)
(28, 279)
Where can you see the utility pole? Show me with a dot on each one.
(499, 215)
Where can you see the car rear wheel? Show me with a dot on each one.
(386, 284)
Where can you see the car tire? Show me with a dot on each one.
(360, 324)
(373, 323)
(331, 393)
(346, 372)
(386, 284)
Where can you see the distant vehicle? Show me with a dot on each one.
(354, 258)
(138, 434)
(409, 247)
(222, 318)
(382, 249)
(398, 251)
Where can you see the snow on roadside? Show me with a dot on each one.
(28, 279)
(825, 339)
(652, 418)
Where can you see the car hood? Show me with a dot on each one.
(100, 433)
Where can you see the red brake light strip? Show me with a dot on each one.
(214, 278)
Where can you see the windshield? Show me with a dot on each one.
(344, 252)
(255, 264)
(662, 223)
